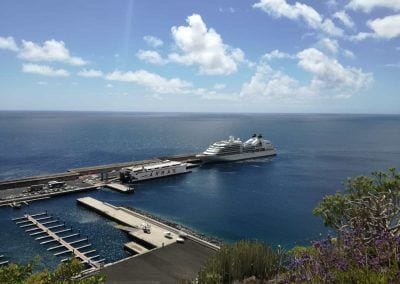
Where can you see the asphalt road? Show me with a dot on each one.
(170, 264)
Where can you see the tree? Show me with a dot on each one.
(369, 206)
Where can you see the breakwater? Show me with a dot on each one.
(74, 174)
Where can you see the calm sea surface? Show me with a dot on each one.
(267, 199)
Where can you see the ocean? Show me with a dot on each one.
(268, 199)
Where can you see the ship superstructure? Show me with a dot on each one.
(151, 171)
(234, 150)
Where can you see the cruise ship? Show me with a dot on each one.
(235, 150)
(151, 171)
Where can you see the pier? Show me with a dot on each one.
(37, 224)
(120, 187)
(148, 234)
(17, 190)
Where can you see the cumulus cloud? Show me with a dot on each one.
(277, 54)
(329, 74)
(369, 5)
(299, 11)
(50, 51)
(8, 43)
(91, 73)
(44, 70)
(387, 27)
(344, 18)
(204, 47)
(270, 84)
(382, 28)
(150, 56)
(328, 44)
(151, 81)
(329, 78)
(153, 41)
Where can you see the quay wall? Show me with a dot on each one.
(73, 174)
(15, 183)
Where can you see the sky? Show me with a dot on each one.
(268, 56)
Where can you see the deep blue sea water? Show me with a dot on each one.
(267, 199)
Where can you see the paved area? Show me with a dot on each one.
(156, 234)
(170, 264)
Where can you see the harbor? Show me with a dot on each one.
(144, 235)
(77, 180)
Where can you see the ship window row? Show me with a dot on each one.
(157, 173)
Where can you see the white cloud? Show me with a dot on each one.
(44, 70)
(329, 74)
(362, 36)
(8, 43)
(153, 41)
(42, 83)
(204, 47)
(329, 79)
(345, 19)
(91, 73)
(109, 85)
(395, 65)
(270, 84)
(276, 54)
(328, 44)
(387, 27)
(151, 81)
(219, 86)
(348, 54)
(150, 56)
(299, 11)
(228, 10)
(332, 46)
(51, 50)
(369, 5)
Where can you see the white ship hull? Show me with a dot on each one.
(235, 157)
(160, 173)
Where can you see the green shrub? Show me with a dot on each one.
(25, 274)
(242, 260)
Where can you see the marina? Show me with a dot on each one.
(49, 236)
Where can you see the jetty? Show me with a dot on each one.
(149, 234)
(47, 231)
(120, 187)
(161, 253)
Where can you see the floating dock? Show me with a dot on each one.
(49, 235)
(120, 187)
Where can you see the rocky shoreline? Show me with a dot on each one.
(187, 230)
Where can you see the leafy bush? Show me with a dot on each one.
(65, 272)
(242, 260)
(367, 247)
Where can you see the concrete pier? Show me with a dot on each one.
(119, 187)
(154, 237)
